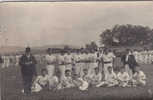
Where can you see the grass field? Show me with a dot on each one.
(11, 85)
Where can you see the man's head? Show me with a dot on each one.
(44, 72)
(105, 51)
(67, 73)
(49, 51)
(68, 52)
(28, 50)
(122, 70)
(128, 51)
(110, 69)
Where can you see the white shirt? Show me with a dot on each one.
(68, 81)
(81, 57)
(68, 58)
(43, 80)
(93, 57)
(53, 80)
(76, 57)
(50, 58)
(123, 76)
(85, 57)
(110, 77)
(84, 85)
(139, 76)
(60, 59)
(97, 77)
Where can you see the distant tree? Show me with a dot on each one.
(91, 46)
(127, 35)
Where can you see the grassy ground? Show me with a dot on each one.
(11, 85)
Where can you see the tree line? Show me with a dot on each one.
(127, 35)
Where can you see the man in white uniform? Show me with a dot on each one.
(86, 59)
(123, 77)
(92, 56)
(97, 77)
(139, 78)
(67, 81)
(76, 62)
(108, 59)
(50, 61)
(80, 83)
(61, 65)
(80, 59)
(68, 60)
(110, 79)
(44, 81)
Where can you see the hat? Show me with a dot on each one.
(27, 49)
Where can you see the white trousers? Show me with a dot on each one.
(92, 67)
(62, 71)
(50, 69)
(79, 68)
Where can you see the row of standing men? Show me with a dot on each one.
(78, 61)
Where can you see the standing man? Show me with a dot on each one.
(61, 65)
(1, 61)
(93, 62)
(76, 60)
(28, 69)
(129, 62)
(50, 62)
(108, 60)
(68, 60)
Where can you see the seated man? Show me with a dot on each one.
(110, 79)
(41, 82)
(53, 82)
(97, 77)
(123, 77)
(67, 81)
(139, 78)
(85, 76)
(80, 83)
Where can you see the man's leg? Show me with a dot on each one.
(101, 84)
(62, 72)
(27, 84)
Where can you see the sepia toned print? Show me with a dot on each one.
(76, 50)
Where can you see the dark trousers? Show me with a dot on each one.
(27, 83)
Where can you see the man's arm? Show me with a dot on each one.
(34, 62)
(21, 61)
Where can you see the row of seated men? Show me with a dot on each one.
(97, 79)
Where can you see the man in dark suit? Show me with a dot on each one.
(1, 61)
(129, 59)
(28, 69)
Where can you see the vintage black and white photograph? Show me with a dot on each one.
(76, 50)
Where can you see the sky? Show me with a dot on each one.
(71, 23)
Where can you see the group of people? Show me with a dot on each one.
(80, 70)
(144, 57)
